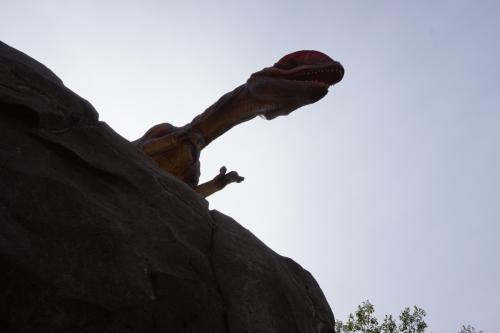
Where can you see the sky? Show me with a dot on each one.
(387, 189)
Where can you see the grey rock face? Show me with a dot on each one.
(95, 238)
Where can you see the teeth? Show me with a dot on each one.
(336, 70)
(319, 71)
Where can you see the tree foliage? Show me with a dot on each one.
(364, 321)
(469, 329)
(409, 321)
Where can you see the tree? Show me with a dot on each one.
(410, 321)
(364, 321)
(469, 329)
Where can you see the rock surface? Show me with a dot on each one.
(95, 238)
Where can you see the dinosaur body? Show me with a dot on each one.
(297, 79)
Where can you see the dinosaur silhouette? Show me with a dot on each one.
(297, 79)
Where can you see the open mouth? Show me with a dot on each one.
(328, 75)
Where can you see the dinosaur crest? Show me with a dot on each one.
(304, 57)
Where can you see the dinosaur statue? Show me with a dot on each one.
(297, 79)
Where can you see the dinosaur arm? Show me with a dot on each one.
(219, 182)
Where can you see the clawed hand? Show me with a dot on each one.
(219, 182)
(224, 178)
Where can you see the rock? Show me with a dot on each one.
(95, 238)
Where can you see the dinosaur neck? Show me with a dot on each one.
(230, 110)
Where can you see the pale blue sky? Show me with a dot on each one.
(387, 189)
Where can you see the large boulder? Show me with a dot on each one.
(95, 238)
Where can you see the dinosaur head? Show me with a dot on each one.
(297, 79)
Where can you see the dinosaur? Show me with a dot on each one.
(299, 78)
